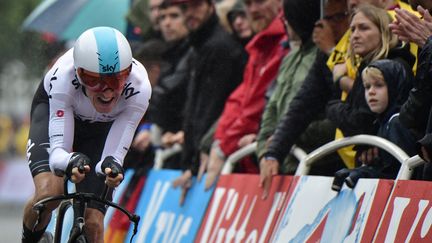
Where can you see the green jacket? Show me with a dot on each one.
(292, 72)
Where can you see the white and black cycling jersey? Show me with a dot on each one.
(68, 101)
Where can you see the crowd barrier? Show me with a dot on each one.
(300, 208)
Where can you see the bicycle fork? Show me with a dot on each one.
(79, 206)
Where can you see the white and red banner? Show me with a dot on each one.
(315, 213)
(237, 212)
(408, 217)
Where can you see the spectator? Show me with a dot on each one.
(216, 69)
(239, 23)
(240, 119)
(409, 27)
(308, 105)
(292, 72)
(144, 14)
(386, 84)
(328, 32)
(415, 113)
(339, 53)
(169, 94)
(149, 53)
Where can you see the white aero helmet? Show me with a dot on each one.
(102, 56)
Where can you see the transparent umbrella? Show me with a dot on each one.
(67, 19)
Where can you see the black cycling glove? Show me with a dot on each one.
(78, 160)
(110, 162)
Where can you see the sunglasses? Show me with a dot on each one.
(97, 82)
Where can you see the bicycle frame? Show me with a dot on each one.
(78, 201)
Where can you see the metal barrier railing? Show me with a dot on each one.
(406, 169)
(250, 149)
(407, 163)
(307, 160)
(162, 154)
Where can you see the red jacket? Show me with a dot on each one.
(244, 107)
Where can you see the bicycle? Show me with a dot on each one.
(78, 201)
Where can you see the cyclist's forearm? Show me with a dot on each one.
(58, 160)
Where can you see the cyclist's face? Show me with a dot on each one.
(104, 101)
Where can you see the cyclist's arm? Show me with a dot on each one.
(61, 129)
(120, 135)
(123, 128)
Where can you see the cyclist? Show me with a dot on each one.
(84, 112)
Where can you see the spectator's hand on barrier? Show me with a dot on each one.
(204, 158)
(410, 28)
(142, 140)
(339, 179)
(113, 170)
(368, 156)
(214, 168)
(246, 140)
(79, 165)
(169, 139)
(269, 167)
(352, 176)
(178, 137)
(323, 37)
(185, 182)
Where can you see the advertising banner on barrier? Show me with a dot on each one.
(162, 217)
(408, 216)
(315, 213)
(237, 212)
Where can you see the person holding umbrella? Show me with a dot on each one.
(84, 115)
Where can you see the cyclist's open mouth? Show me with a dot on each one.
(105, 100)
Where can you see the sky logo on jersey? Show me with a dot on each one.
(60, 113)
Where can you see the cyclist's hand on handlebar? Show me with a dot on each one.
(114, 171)
(79, 165)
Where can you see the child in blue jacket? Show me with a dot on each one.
(387, 85)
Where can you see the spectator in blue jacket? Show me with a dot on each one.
(387, 84)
